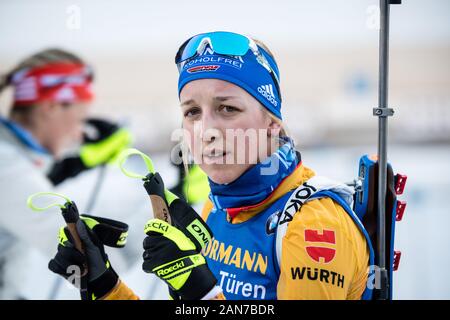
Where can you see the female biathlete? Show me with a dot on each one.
(51, 101)
(279, 231)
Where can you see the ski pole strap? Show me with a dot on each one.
(38, 194)
(129, 152)
(110, 232)
(149, 178)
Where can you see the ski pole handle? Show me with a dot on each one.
(71, 216)
(154, 185)
(76, 238)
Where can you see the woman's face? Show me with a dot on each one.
(63, 125)
(227, 130)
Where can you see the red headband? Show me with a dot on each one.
(57, 82)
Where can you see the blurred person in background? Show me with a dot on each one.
(48, 117)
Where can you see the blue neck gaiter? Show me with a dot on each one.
(258, 182)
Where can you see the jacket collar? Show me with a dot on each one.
(23, 136)
(295, 179)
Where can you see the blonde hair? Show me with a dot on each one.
(265, 47)
(284, 130)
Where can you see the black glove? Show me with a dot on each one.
(101, 130)
(100, 145)
(185, 219)
(92, 269)
(183, 216)
(173, 257)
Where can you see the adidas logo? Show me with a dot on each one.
(267, 92)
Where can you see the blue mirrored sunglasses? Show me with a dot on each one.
(225, 43)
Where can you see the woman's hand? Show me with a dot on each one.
(90, 272)
(104, 147)
(174, 258)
